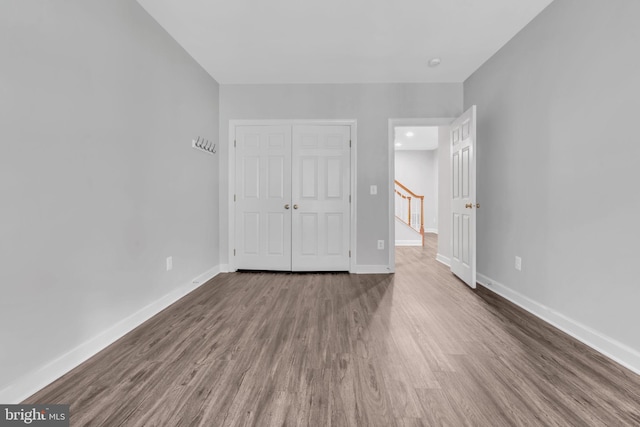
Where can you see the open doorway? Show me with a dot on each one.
(420, 205)
(416, 184)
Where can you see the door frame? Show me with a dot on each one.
(433, 121)
(352, 123)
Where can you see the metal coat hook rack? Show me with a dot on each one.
(204, 145)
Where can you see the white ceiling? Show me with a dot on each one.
(423, 138)
(341, 41)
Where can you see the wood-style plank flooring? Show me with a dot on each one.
(410, 349)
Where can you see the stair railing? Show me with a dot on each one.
(409, 208)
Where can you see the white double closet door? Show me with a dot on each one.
(292, 197)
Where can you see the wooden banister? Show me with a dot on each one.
(422, 219)
(408, 198)
(407, 190)
(400, 194)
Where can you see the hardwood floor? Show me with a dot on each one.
(410, 349)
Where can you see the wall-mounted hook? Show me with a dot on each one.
(203, 144)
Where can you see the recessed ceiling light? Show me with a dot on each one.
(434, 62)
(398, 144)
(409, 134)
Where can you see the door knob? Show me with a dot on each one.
(286, 206)
(469, 205)
(295, 206)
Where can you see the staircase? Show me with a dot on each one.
(409, 208)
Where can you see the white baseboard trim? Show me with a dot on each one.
(431, 230)
(224, 268)
(40, 378)
(443, 260)
(613, 349)
(371, 269)
(408, 242)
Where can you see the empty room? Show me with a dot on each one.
(201, 222)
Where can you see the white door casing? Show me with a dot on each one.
(321, 191)
(263, 192)
(271, 176)
(392, 124)
(463, 203)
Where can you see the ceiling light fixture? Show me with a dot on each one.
(434, 62)
(409, 134)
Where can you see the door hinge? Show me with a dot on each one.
(234, 197)
(349, 198)
(349, 254)
(234, 252)
(349, 143)
(234, 143)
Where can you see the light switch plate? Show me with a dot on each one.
(373, 190)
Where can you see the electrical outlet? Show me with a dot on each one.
(518, 263)
(380, 244)
(169, 263)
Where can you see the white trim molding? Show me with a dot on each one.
(443, 260)
(613, 349)
(45, 375)
(372, 269)
(421, 121)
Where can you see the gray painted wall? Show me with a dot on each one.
(557, 163)
(371, 105)
(418, 170)
(98, 182)
(405, 235)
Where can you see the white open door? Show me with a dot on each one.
(463, 203)
(263, 197)
(321, 183)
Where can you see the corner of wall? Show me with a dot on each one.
(35, 380)
(613, 349)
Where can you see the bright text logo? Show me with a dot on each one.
(34, 415)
